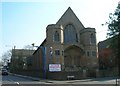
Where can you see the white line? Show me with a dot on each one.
(17, 83)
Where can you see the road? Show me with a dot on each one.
(17, 81)
(11, 80)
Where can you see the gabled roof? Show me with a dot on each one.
(42, 44)
(68, 17)
(69, 14)
(108, 43)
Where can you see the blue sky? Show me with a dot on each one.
(24, 22)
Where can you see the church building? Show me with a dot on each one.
(70, 49)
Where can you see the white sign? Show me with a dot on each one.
(54, 67)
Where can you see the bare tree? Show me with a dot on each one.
(6, 57)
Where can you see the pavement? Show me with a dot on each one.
(47, 80)
(66, 81)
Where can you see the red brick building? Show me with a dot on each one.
(107, 59)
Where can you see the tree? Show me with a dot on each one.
(114, 33)
(6, 57)
(1, 63)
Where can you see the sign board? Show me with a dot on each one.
(54, 67)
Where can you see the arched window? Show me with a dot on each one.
(70, 34)
(92, 39)
(56, 36)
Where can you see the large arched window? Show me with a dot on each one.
(56, 36)
(70, 34)
(92, 39)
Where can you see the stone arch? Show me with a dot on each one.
(70, 34)
(72, 56)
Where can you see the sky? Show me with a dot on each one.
(23, 22)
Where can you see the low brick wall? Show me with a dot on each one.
(108, 73)
(63, 75)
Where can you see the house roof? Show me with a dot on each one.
(109, 43)
(42, 44)
(104, 44)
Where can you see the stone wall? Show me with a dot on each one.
(63, 75)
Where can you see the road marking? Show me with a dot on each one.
(17, 83)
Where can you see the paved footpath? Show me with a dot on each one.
(48, 80)
(68, 81)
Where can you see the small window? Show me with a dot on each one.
(62, 53)
(56, 36)
(88, 53)
(92, 39)
(57, 52)
(93, 53)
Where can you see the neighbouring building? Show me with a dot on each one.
(107, 59)
(69, 49)
(19, 60)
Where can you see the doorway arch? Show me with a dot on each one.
(72, 56)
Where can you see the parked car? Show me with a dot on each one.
(4, 72)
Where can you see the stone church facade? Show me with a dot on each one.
(71, 45)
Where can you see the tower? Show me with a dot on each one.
(54, 44)
(88, 39)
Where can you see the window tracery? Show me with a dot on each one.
(70, 34)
